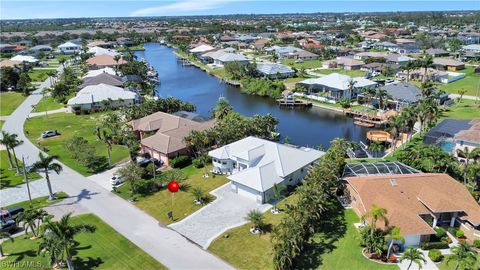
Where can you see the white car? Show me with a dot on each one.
(116, 180)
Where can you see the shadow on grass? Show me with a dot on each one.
(329, 231)
(87, 263)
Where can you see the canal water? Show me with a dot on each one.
(310, 127)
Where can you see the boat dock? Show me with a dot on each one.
(282, 102)
(366, 119)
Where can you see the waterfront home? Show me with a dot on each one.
(201, 49)
(437, 52)
(220, 57)
(104, 78)
(69, 48)
(162, 135)
(93, 73)
(397, 59)
(102, 51)
(343, 63)
(335, 87)
(416, 203)
(274, 70)
(402, 94)
(448, 64)
(103, 96)
(40, 48)
(103, 61)
(99, 43)
(255, 165)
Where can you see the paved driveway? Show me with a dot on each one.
(226, 212)
(103, 179)
(429, 265)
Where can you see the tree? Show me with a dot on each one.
(9, 78)
(4, 235)
(222, 108)
(375, 214)
(24, 83)
(6, 141)
(256, 218)
(117, 59)
(455, 44)
(382, 96)
(278, 194)
(46, 163)
(463, 256)
(392, 236)
(14, 142)
(408, 67)
(351, 88)
(62, 62)
(376, 148)
(62, 234)
(414, 256)
(426, 62)
(31, 219)
(199, 194)
(131, 173)
(461, 92)
(373, 239)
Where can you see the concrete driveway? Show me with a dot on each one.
(227, 211)
(429, 265)
(103, 179)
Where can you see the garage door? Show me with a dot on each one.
(247, 192)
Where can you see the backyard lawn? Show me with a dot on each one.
(40, 202)
(352, 73)
(48, 103)
(466, 109)
(471, 83)
(9, 102)
(104, 249)
(337, 250)
(39, 75)
(9, 177)
(131, 48)
(70, 125)
(307, 64)
(160, 203)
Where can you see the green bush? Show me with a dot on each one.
(476, 243)
(434, 245)
(180, 162)
(197, 163)
(440, 232)
(460, 234)
(452, 230)
(435, 255)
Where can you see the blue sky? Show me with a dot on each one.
(20, 9)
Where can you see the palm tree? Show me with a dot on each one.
(108, 140)
(408, 67)
(463, 255)
(6, 141)
(426, 62)
(351, 88)
(222, 108)
(414, 256)
(373, 239)
(199, 194)
(62, 61)
(4, 235)
(116, 58)
(461, 92)
(46, 163)
(14, 142)
(467, 155)
(278, 194)
(256, 218)
(382, 96)
(375, 214)
(375, 148)
(62, 234)
(392, 236)
(31, 219)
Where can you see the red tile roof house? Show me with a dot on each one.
(162, 135)
(417, 203)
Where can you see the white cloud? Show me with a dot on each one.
(179, 7)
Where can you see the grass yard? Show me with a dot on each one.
(307, 64)
(9, 177)
(352, 73)
(9, 102)
(471, 83)
(1, 123)
(40, 202)
(70, 125)
(131, 48)
(48, 103)
(466, 109)
(160, 203)
(451, 266)
(39, 75)
(104, 249)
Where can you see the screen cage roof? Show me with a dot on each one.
(377, 168)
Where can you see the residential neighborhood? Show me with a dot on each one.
(240, 135)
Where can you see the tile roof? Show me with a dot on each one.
(101, 92)
(104, 78)
(104, 60)
(403, 91)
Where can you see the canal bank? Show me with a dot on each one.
(307, 127)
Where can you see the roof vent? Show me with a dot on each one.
(393, 182)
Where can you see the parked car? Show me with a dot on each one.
(116, 180)
(49, 133)
(7, 219)
(143, 161)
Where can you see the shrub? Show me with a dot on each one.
(180, 162)
(434, 245)
(197, 163)
(440, 232)
(460, 234)
(145, 187)
(435, 255)
(476, 243)
(452, 230)
(446, 239)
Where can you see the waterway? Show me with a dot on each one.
(309, 127)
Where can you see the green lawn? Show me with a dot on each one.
(132, 48)
(104, 249)
(160, 203)
(352, 73)
(48, 103)
(39, 75)
(451, 266)
(466, 109)
(307, 64)
(471, 83)
(70, 125)
(337, 250)
(1, 123)
(9, 177)
(9, 102)
(40, 202)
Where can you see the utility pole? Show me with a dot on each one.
(25, 176)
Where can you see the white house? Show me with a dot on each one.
(100, 96)
(69, 48)
(24, 58)
(95, 72)
(254, 165)
(100, 51)
(274, 70)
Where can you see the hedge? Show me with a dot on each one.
(435, 255)
(434, 245)
(180, 162)
(440, 232)
(476, 243)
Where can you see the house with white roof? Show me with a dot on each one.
(101, 96)
(202, 49)
(221, 57)
(69, 48)
(24, 58)
(255, 165)
(101, 51)
(96, 72)
(274, 70)
(337, 86)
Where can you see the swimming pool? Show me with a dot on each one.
(447, 146)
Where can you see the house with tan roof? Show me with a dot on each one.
(162, 134)
(103, 61)
(417, 203)
(448, 64)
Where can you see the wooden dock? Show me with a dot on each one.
(293, 103)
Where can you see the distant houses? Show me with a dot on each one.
(103, 61)
(69, 48)
(274, 70)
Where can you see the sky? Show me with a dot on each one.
(23, 9)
